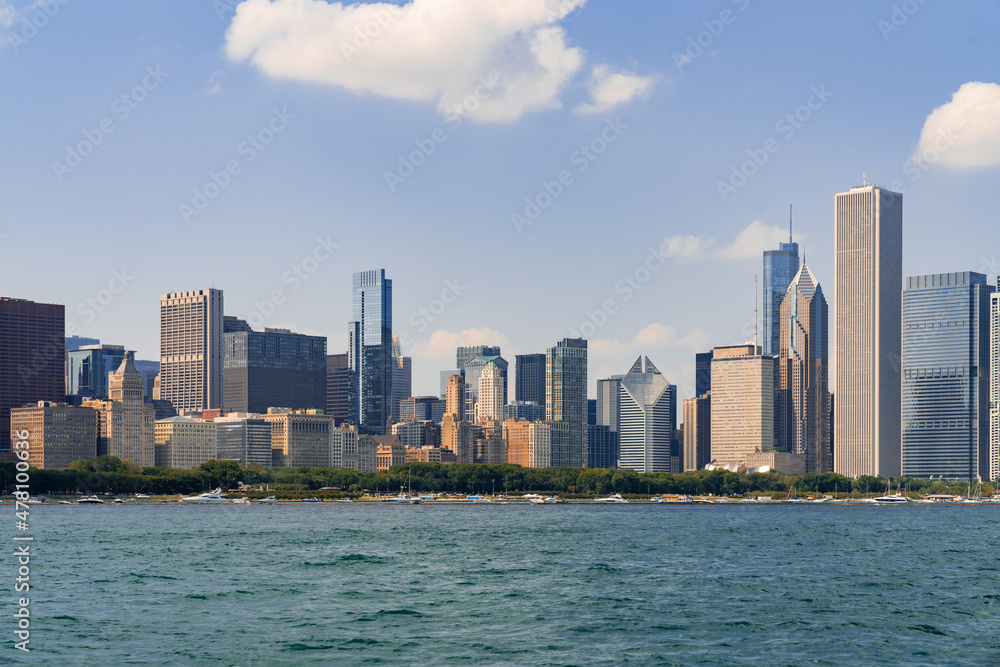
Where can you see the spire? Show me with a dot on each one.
(789, 223)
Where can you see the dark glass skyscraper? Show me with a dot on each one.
(530, 378)
(566, 393)
(780, 266)
(946, 340)
(273, 368)
(370, 351)
(702, 373)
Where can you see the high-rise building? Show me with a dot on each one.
(538, 444)
(608, 391)
(995, 383)
(32, 357)
(946, 361)
(132, 437)
(472, 370)
(464, 355)
(530, 378)
(490, 447)
(524, 411)
(457, 436)
(602, 446)
(344, 448)
(647, 419)
(90, 366)
(185, 442)
(191, 327)
(803, 414)
(566, 393)
(445, 375)
(57, 433)
(780, 266)
(417, 434)
(271, 368)
(422, 408)
(455, 397)
(370, 351)
(697, 432)
(742, 403)
(489, 406)
(402, 378)
(299, 437)
(869, 279)
(149, 370)
(244, 438)
(702, 373)
(338, 388)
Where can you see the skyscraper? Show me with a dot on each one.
(608, 391)
(530, 378)
(869, 278)
(946, 357)
(32, 357)
(742, 403)
(473, 369)
(90, 366)
(131, 436)
(780, 266)
(697, 432)
(489, 407)
(370, 351)
(803, 415)
(648, 417)
(338, 388)
(191, 349)
(995, 383)
(402, 377)
(273, 368)
(702, 373)
(465, 354)
(566, 393)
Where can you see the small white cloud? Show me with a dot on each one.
(754, 240)
(654, 335)
(7, 15)
(965, 132)
(686, 246)
(215, 83)
(442, 343)
(608, 89)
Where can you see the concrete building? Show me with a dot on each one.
(489, 443)
(803, 410)
(370, 352)
(32, 357)
(492, 392)
(273, 368)
(472, 371)
(464, 355)
(429, 455)
(344, 452)
(647, 419)
(90, 366)
(417, 434)
(946, 379)
(389, 452)
(191, 327)
(538, 444)
(457, 435)
(566, 393)
(131, 436)
(530, 378)
(455, 397)
(299, 437)
(402, 379)
(57, 433)
(742, 402)
(868, 321)
(244, 438)
(422, 408)
(338, 388)
(697, 432)
(185, 442)
(445, 376)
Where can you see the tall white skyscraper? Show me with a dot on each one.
(647, 418)
(489, 407)
(995, 383)
(191, 326)
(868, 321)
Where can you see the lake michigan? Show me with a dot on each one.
(338, 584)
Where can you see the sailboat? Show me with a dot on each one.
(408, 497)
(894, 498)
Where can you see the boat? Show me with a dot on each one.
(119, 501)
(65, 502)
(538, 501)
(314, 499)
(343, 500)
(34, 501)
(242, 501)
(207, 498)
(554, 500)
(893, 498)
(408, 498)
(141, 495)
(617, 498)
(270, 500)
(90, 500)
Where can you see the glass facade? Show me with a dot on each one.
(370, 351)
(530, 378)
(90, 366)
(273, 368)
(566, 393)
(473, 370)
(945, 368)
(780, 266)
(647, 419)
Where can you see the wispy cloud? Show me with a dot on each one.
(752, 240)
(609, 89)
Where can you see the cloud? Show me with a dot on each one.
(7, 15)
(753, 240)
(965, 132)
(442, 344)
(215, 83)
(608, 89)
(440, 51)
(686, 246)
(654, 335)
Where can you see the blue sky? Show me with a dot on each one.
(300, 133)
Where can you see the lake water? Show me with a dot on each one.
(512, 585)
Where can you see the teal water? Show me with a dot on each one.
(513, 585)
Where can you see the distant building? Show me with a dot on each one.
(455, 397)
(417, 434)
(530, 378)
(370, 352)
(132, 436)
(472, 370)
(489, 443)
(344, 449)
(566, 394)
(697, 432)
(457, 435)
(299, 437)
(402, 379)
(538, 444)
(492, 393)
(608, 391)
(648, 417)
(742, 402)
(422, 408)
(58, 434)
(463, 355)
(149, 370)
(390, 452)
(445, 375)
(702, 373)
(524, 411)
(602, 447)
(780, 266)
(274, 368)
(427, 455)
(185, 442)
(995, 383)
(90, 366)
(338, 388)
(191, 327)
(244, 438)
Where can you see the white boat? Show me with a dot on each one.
(343, 500)
(208, 498)
(65, 502)
(242, 501)
(141, 495)
(270, 500)
(119, 501)
(892, 498)
(554, 500)
(90, 500)
(617, 498)
(314, 499)
(408, 498)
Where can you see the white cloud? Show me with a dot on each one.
(608, 89)
(426, 50)
(752, 240)
(654, 335)
(442, 343)
(965, 132)
(686, 246)
(215, 83)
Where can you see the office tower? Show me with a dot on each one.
(946, 362)
(338, 388)
(370, 351)
(524, 411)
(742, 403)
(868, 320)
(344, 447)
(780, 266)
(402, 379)
(457, 436)
(232, 324)
(697, 432)
(75, 343)
(299, 437)
(995, 383)
(677, 442)
(131, 437)
(271, 368)
(530, 378)
(472, 370)
(445, 375)
(184, 442)
(702, 373)
(566, 393)
(591, 411)
(538, 444)
(191, 349)
(90, 366)
(422, 408)
(490, 447)
(244, 438)
(148, 370)
(803, 416)
(455, 397)
(464, 355)
(418, 434)
(608, 391)
(58, 434)
(602, 446)
(647, 418)
(489, 406)
(32, 357)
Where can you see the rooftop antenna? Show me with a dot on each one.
(755, 313)
(789, 223)
(864, 178)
